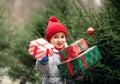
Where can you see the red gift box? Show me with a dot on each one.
(73, 50)
(40, 48)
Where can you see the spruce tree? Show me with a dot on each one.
(107, 38)
(77, 20)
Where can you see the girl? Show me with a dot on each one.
(56, 34)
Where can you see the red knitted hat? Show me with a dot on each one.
(54, 26)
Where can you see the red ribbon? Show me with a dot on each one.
(70, 69)
(35, 51)
(84, 61)
(47, 51)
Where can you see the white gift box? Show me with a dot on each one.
(40, 48)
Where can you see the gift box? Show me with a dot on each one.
(73, 50)
(79, 64)
(39, 48)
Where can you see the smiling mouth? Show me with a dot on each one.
(59, 44)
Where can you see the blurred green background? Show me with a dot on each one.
(18, 28)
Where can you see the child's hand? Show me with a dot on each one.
(43, 60)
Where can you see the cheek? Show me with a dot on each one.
(52, 42)
(65, 40)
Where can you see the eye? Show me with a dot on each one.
(55, 36)
(63, 36)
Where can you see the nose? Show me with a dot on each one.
(59, 39)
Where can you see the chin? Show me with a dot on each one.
(59, 46)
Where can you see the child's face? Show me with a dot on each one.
(58, 40)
